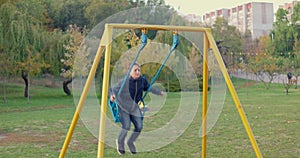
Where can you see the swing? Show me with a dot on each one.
(141, 103)
(113, 106)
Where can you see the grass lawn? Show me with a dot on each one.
(38, 127)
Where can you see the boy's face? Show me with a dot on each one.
(135, 72)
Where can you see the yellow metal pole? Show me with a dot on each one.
(156, 27)
(204, 95)
(104, 100)
(234, 95)
(81, 101)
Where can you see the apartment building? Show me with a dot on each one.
(210, 18)
(257, 17)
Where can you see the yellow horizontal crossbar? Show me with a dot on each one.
(156, 27)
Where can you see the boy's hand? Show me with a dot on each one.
(112, 98)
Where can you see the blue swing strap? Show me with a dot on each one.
(113, 106)
(143, 44)
(173, 47)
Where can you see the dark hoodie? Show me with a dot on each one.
(132, 93)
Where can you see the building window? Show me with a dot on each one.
(240, 7)
(233, 10)
(207, 16)
(219, 12)
(263, 13)
(212, 14)
(249, 7)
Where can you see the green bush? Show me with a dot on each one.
(188, 85)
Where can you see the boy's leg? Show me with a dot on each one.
(125, 121)
(138, 126)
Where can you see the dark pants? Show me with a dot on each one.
(126, 119)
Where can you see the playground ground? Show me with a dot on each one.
(38, 128)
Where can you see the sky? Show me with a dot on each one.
(200, 7)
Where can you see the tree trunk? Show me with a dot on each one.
(65, 86)
(24, 76)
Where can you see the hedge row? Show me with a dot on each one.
(188, 85)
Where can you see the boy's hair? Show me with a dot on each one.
(133, 65)
(137, 64)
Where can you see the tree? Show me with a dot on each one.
(65, 12)
(72, 52)
(264, 64)
(249, 45)
(30, 66)
(22, 37)
(295, 56)
(35, 9)
(283, 34)
(4, 71)
(296, 15)
(6, 13)
(286, 86)
(195, 58)
(97, 11)
(229, 41)
(5, 1)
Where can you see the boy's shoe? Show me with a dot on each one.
(120, 149)
(131, 148)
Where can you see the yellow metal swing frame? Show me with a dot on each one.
(105, 44)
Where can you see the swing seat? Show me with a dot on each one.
(114, 109)
(113, 106)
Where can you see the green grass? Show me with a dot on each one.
(38, 128)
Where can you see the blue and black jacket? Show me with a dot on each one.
(132, 93)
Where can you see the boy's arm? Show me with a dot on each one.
(113, 91)
(153, 90)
